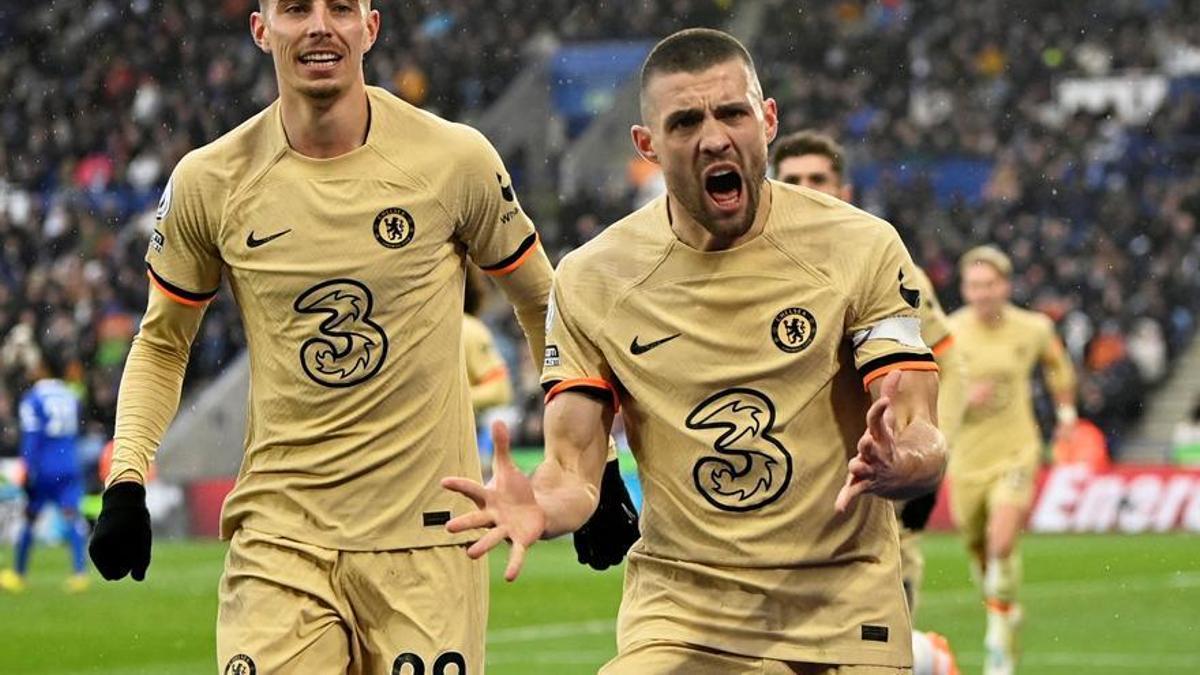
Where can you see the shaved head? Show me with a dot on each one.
(693, 50)
(264, 5)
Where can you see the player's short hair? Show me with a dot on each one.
(809, 143)
(692, 50)
(988, 255)
(264, 5)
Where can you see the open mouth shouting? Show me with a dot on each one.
(724, 186)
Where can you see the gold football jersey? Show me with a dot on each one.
(935, 326)
(349, 276)
(485, 366)
(740, 375)
(1004, 433)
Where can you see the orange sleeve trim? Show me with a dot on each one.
(498, 373)
(943, 344)
(173, 295)
(527, 248)
(585, 382)
(903, 365)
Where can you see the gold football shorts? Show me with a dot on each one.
(288, 608)
(973, 501)
(677, 658)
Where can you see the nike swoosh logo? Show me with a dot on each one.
(912, 296)
(255, 243)
(638, 350)
(506, 191)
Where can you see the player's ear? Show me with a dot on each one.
(770, 119)
(643, 142)
(373, 20)
(258, 29)
(846, 194)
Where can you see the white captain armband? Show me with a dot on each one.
(903, 329)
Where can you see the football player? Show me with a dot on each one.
(997, 449)
(775, 388)
(50, 413)
(341, 218)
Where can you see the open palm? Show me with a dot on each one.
(507, 507)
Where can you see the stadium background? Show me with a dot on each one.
(1068, 135)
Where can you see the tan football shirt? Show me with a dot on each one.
(740, 375)
(349, 276)
(486, 371)
(1004, 433)
(935, 326)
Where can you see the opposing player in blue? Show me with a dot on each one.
(50, 413)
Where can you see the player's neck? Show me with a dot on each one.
(991, 319)
(326, 129)
(700, 238)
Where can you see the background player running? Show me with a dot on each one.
(997, 449)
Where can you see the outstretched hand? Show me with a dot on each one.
(507, 507)
(876, 469)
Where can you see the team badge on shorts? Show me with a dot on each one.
(240, 665)
(394, 227)
(793, 329)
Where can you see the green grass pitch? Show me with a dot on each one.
(1094, 604)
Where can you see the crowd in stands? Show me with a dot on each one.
(1098, 211)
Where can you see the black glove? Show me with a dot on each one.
(605, 538)
(915, 512)
(120, 543)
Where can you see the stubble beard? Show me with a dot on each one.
(695, 202)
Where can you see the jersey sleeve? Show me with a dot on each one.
(1059, 371)
(885, 326)
(572, 359)
(497, 233)
(484, 364)
(183, 261)
(935, 325)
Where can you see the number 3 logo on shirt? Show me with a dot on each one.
(351, 347)
(752, 468)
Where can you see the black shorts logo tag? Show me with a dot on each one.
(875, 633)
(394, 227)
(240, 665)
(794, 329)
